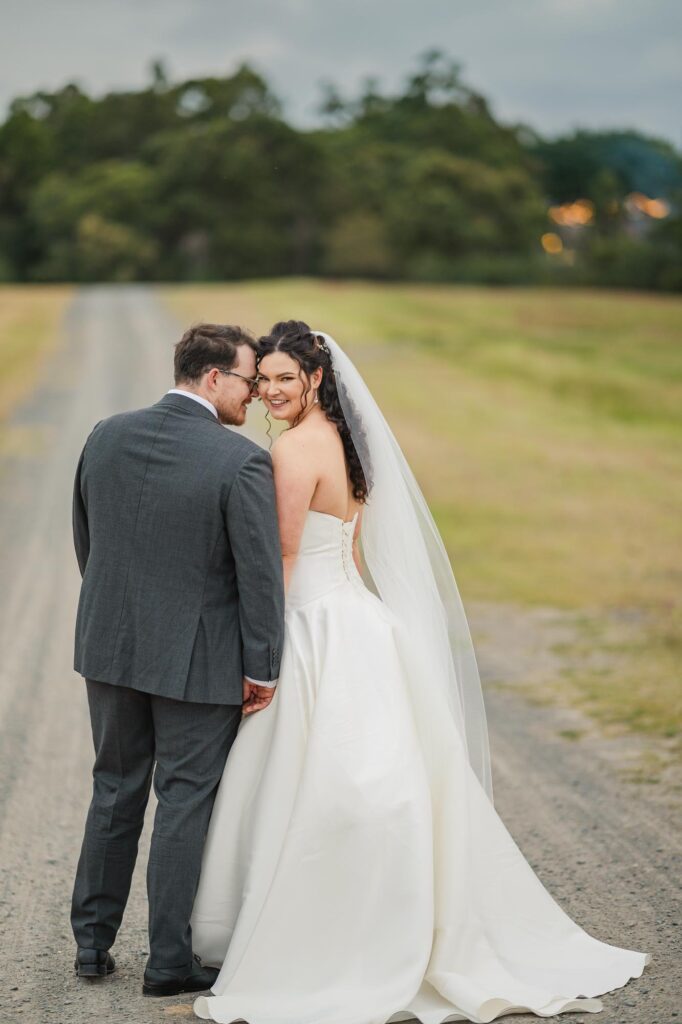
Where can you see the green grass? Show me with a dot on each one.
(545, 428)
(29, 328)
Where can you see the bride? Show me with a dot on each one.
(355, 869)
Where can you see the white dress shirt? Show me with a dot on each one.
(197, 398)
(211, 407)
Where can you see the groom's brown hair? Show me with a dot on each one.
(206, 345)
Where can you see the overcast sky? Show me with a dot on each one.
(553, 64)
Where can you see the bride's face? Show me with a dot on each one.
(282, 385)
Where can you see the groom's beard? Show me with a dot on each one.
(232, 417)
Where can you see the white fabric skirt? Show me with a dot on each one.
(355, 872)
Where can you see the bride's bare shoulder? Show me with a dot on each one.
(286, 444)
(291, 450)
(304, 441)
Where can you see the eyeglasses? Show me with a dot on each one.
(253, 384)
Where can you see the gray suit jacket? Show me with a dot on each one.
(175, 529)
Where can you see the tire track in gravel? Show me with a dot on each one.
(606, 850)
(116, 353)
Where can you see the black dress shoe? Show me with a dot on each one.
(94, 963)
(167, 983)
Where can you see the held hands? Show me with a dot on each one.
(256, 697)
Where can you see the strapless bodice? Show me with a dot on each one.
(325, 558)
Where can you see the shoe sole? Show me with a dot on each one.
(171, 989)
(93, 971)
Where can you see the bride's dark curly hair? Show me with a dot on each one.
(295, 338)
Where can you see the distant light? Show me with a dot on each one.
(551, 243)
(573, 215)
(656, 208)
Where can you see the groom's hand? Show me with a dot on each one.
(256, 697)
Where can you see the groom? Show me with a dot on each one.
(180, 622)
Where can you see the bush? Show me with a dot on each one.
(624, 262)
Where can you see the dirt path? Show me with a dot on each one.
(605, 850)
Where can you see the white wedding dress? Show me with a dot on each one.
(355, 869)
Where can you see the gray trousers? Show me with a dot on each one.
(189, 743)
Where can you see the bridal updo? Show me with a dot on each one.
(295, 339)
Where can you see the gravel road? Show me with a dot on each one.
(605, 849)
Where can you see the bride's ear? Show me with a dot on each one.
(316, 377)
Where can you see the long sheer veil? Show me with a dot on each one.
(411, 571)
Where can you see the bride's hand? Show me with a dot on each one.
(256, 697)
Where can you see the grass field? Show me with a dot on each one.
(545, 428)
(29, 328)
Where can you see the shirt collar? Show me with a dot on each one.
(196, 398)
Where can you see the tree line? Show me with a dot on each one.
(206, 180)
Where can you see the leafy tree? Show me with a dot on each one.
(358, 246)
(448, 208)
(435, 110)
(111, 200)
(247, 188)
(26, 156)
(572, 165)
(204, 179)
